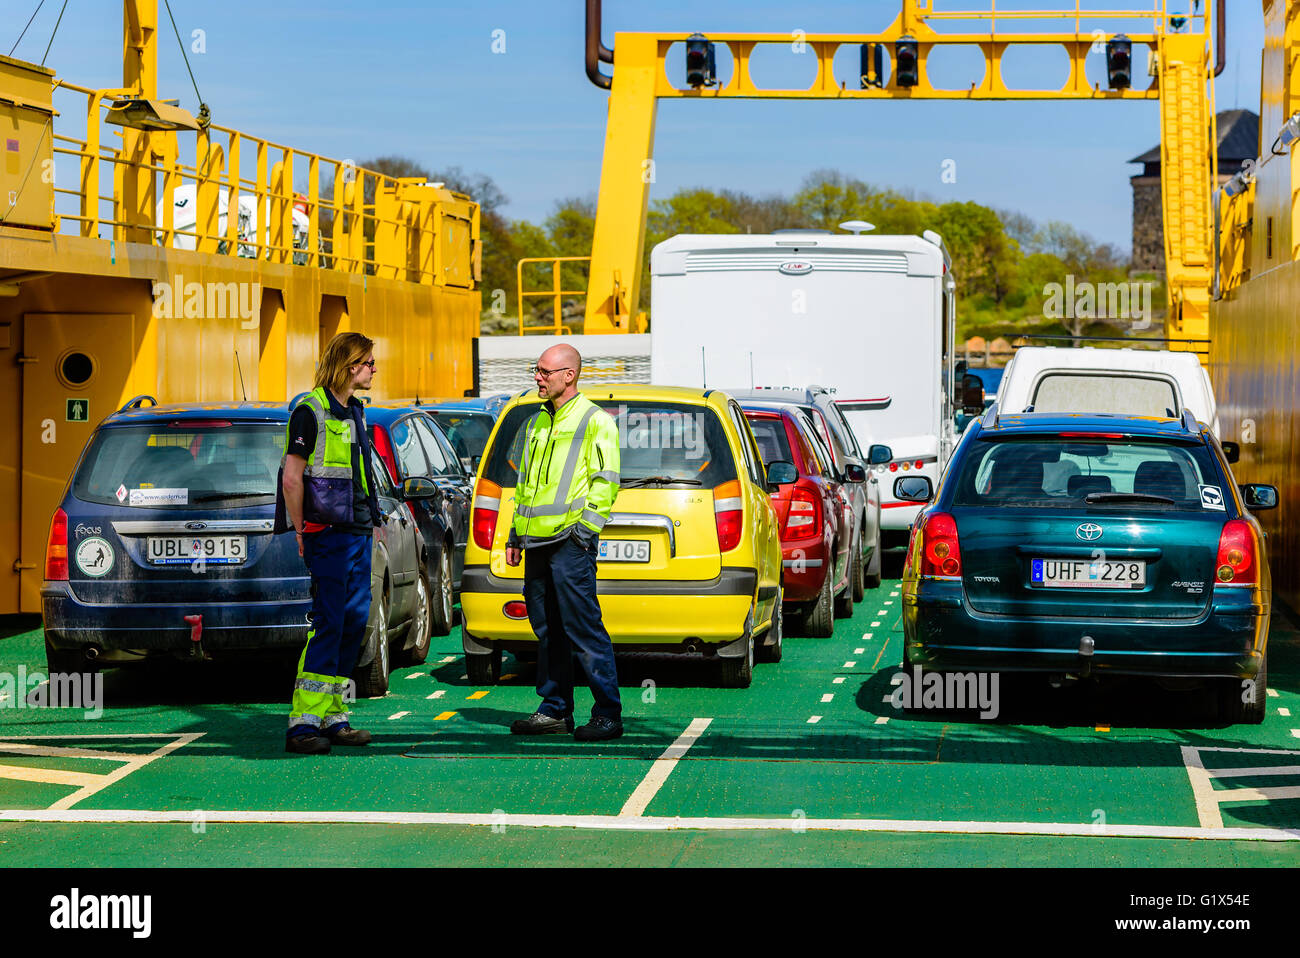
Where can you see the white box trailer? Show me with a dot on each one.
(870, 317)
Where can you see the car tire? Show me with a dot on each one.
(1236, 712)
(844, 601)
(483, 669)
(420, 634)
(738, 672)
(819, 621)
(770, 650)
(372, 680)
(440, 597)
(872, 577)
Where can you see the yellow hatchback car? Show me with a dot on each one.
(690, 560)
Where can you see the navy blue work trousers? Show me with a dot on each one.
(560, 593)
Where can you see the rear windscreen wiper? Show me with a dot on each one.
(660, 479)
(1093, 497)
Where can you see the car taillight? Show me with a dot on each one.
(940, 554)
(1236, 562)
(56, 551)
(515, 610)
(805, 512)
(728, 513)
(487, 507)
(385, 450)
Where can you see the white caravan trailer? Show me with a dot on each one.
(870, 317)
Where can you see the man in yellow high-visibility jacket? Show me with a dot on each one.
(568, 479)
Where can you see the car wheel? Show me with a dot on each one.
(872, 577)
(860, 581)
(373, 680)
(770, 650)
(819, 621)
(440, 596)
(844, 602)
(484, 669)
(1236, 712)
(419, 634)
(738, 672)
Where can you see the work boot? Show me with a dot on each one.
(347, 735)
(307, 744)
(539, 723)
(600, 727)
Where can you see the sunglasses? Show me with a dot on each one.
(368, 362)
(534, 370)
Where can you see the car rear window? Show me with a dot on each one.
(655, 439)
(172, 465)
(773, 443)
(1109, 393)
(1061, 473)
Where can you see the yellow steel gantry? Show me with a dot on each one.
(1183, 46)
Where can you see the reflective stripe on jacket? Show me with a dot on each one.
(568, 474)
(327, 477)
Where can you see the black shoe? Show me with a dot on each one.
(599, 728)
(307, 744)
(539, 723)
(347, 735)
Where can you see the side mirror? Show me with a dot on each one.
(972, 394)
(1231, 450)
(779, 473)
(418, 487)
(854, 472)
(473, 463)
(913, 489)
(879, 455)
(1257, 496)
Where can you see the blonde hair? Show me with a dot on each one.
(334, 371)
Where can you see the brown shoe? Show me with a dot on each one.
(349, 736)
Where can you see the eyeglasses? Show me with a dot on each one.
(368, 362)
(548, 373)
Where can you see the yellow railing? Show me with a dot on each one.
(364, 221)
(557, 292)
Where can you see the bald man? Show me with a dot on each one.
(571, 443)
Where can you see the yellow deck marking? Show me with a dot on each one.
(508, 676)
(478, 695)
(50, 776)
(444, 716)
(879, 654)
(1102, 728)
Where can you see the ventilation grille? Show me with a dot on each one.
(511, 375)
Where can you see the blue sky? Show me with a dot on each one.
(353, 80)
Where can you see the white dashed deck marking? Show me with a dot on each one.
(814, 719)
(826, 697)
(437, 695)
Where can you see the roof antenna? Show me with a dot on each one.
(704, 373)
(241, 376)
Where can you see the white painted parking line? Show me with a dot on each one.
(437, 695)
(1209, 799)
(860, 651)
(889, 602)
(874, 624)
(1296, 732)
(893, 593)
(882, 719)
(397, 715)
(415, 675)
(866, 636)
(849, 665)
(5, 695)
(1284, 711)
(662, 768)
(813, 719)
(651, 823)
(446, 658)
(826, 697)
(838, 680)
(1273, 693)
(464, 677)
(88, 783)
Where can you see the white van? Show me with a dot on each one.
(1137, 382)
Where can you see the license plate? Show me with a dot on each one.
(1088, 573)
(175, 550)
(624, 550)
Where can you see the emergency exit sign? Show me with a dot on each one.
(78, 410)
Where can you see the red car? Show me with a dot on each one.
(815, 516)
